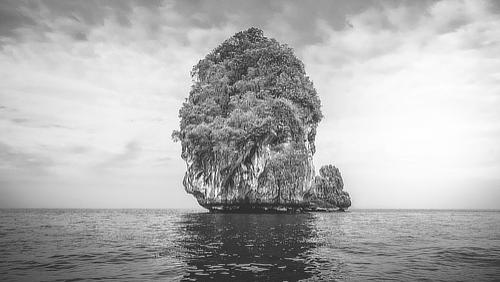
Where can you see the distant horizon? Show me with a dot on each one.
(207, 211)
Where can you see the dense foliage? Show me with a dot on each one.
(248, 91)
(328, 190)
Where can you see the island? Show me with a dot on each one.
(247, 132)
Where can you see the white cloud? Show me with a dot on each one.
(409, 106)
(83, 103)
(410, 97)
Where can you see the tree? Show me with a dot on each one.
(248, 91)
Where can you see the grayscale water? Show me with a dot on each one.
(171, 245)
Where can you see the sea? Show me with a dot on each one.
(193, 245)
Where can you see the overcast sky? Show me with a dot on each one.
(90, 93)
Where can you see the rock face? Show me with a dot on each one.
(263, 176)
(248, 128)
(328, 193)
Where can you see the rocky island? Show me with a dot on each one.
(248, 128)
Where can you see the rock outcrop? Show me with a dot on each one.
(248, 128)
(262, 176)
(327, 193)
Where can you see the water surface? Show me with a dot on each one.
(175, 245)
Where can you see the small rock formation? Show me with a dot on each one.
(327, 193)
(247, 131)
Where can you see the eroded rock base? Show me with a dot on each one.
(254, 209)
(268, 209)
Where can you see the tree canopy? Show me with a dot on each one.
(247, 91)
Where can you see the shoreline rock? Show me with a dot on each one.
(248, 128)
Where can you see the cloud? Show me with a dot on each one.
(28, 20)
(19, 120)
(410, 105)
(171, 21)
(210, 14)
(21, 162)
(80, 149)
(124, 159)
(293, 23)
(91, 89)
(12, 19)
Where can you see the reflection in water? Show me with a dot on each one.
(163, 245)
(248, 247)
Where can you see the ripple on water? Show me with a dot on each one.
(164, 245)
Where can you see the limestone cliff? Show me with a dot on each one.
(262, 175)
(328, 193)
(248, 128)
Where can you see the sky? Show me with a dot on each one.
(90, 93)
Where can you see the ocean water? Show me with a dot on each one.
(176, 245)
